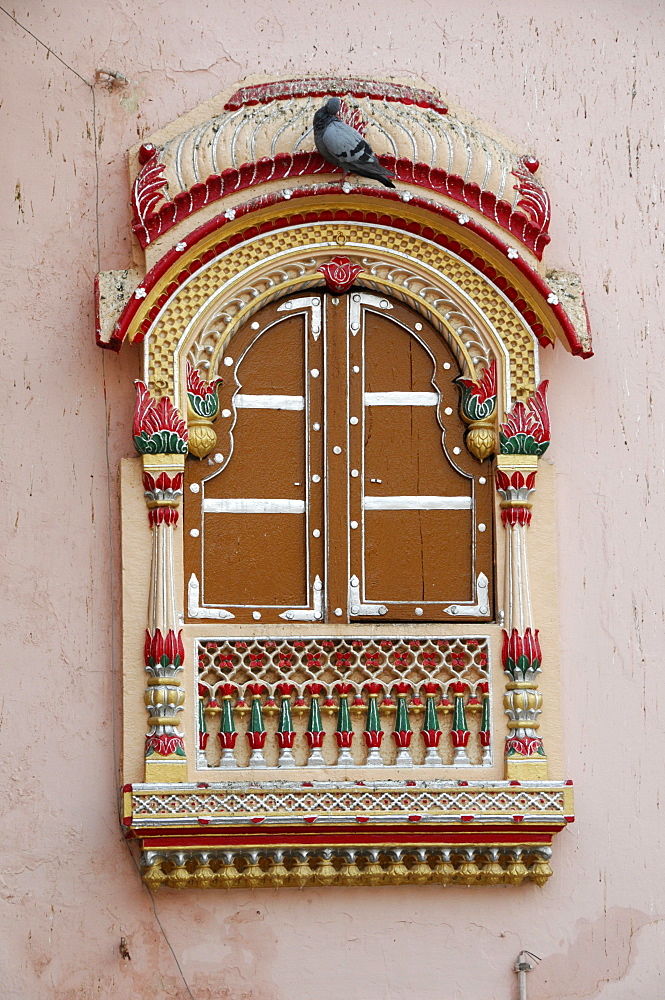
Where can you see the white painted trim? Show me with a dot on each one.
(260, 505)
(401, 398)
(194, 609)
(417, 503)
(478, 610)
(312, 302)
(245, 401)
(356, 607)
(313, 615)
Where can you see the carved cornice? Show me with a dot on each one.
(264, 135)
(334, 833)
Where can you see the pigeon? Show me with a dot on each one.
(342, 146)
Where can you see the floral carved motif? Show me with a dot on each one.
(202, 408)
(164, 655)
(522, 658)
(534, 200)
(516, 491)
(521, 654)
(478, 405)
(158, 427)
(527, 428)
(340, 274)
(149, 187)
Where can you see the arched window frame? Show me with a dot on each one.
(489, 301)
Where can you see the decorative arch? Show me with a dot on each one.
(457, 245)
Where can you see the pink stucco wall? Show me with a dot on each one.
(577, 83)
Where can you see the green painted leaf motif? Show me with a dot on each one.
(180, 752)
(523, 663)
(481, 411)
(541, 750)
(142, 443)
(204, 406)
(160, 443)
(522, 444)
(150, 751)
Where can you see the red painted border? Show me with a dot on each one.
(325, 86)
(369, 217)
(332, 836)
(282, 166)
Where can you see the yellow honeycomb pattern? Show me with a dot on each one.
(189, 300)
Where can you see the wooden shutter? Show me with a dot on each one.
(347, 492)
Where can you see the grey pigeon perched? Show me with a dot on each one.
(342, 146)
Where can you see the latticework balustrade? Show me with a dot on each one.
(344, 701)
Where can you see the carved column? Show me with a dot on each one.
(524, 437)
(160, 436)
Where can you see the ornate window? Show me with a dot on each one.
(339, 428)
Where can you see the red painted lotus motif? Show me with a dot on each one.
(340, 274)
(479, 398)
(158, 427)
(202, 395)
(166, 745)
(164, 651)
(527, 428)
(162, 494)
(515, 490)
(525, 745)
(521, 653)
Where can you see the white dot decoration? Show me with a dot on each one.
(335, 302)
(353, 420)
(316, 533)
(355, 473)
(457, 451)
(418, 326)
(316, 427)
(256, 615)
(482, 480)
(354, 524)
(314, 373)
(226, 413)
(356, 369)
(339, 612)
(482, 527)
(446, 365)
(255, 325)
(219, 458)
(337, 450)
(228, 362)
(383, 304)
(195, 487)
(194, 532)
(448, 410)
(316, 479)
(418, 611)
